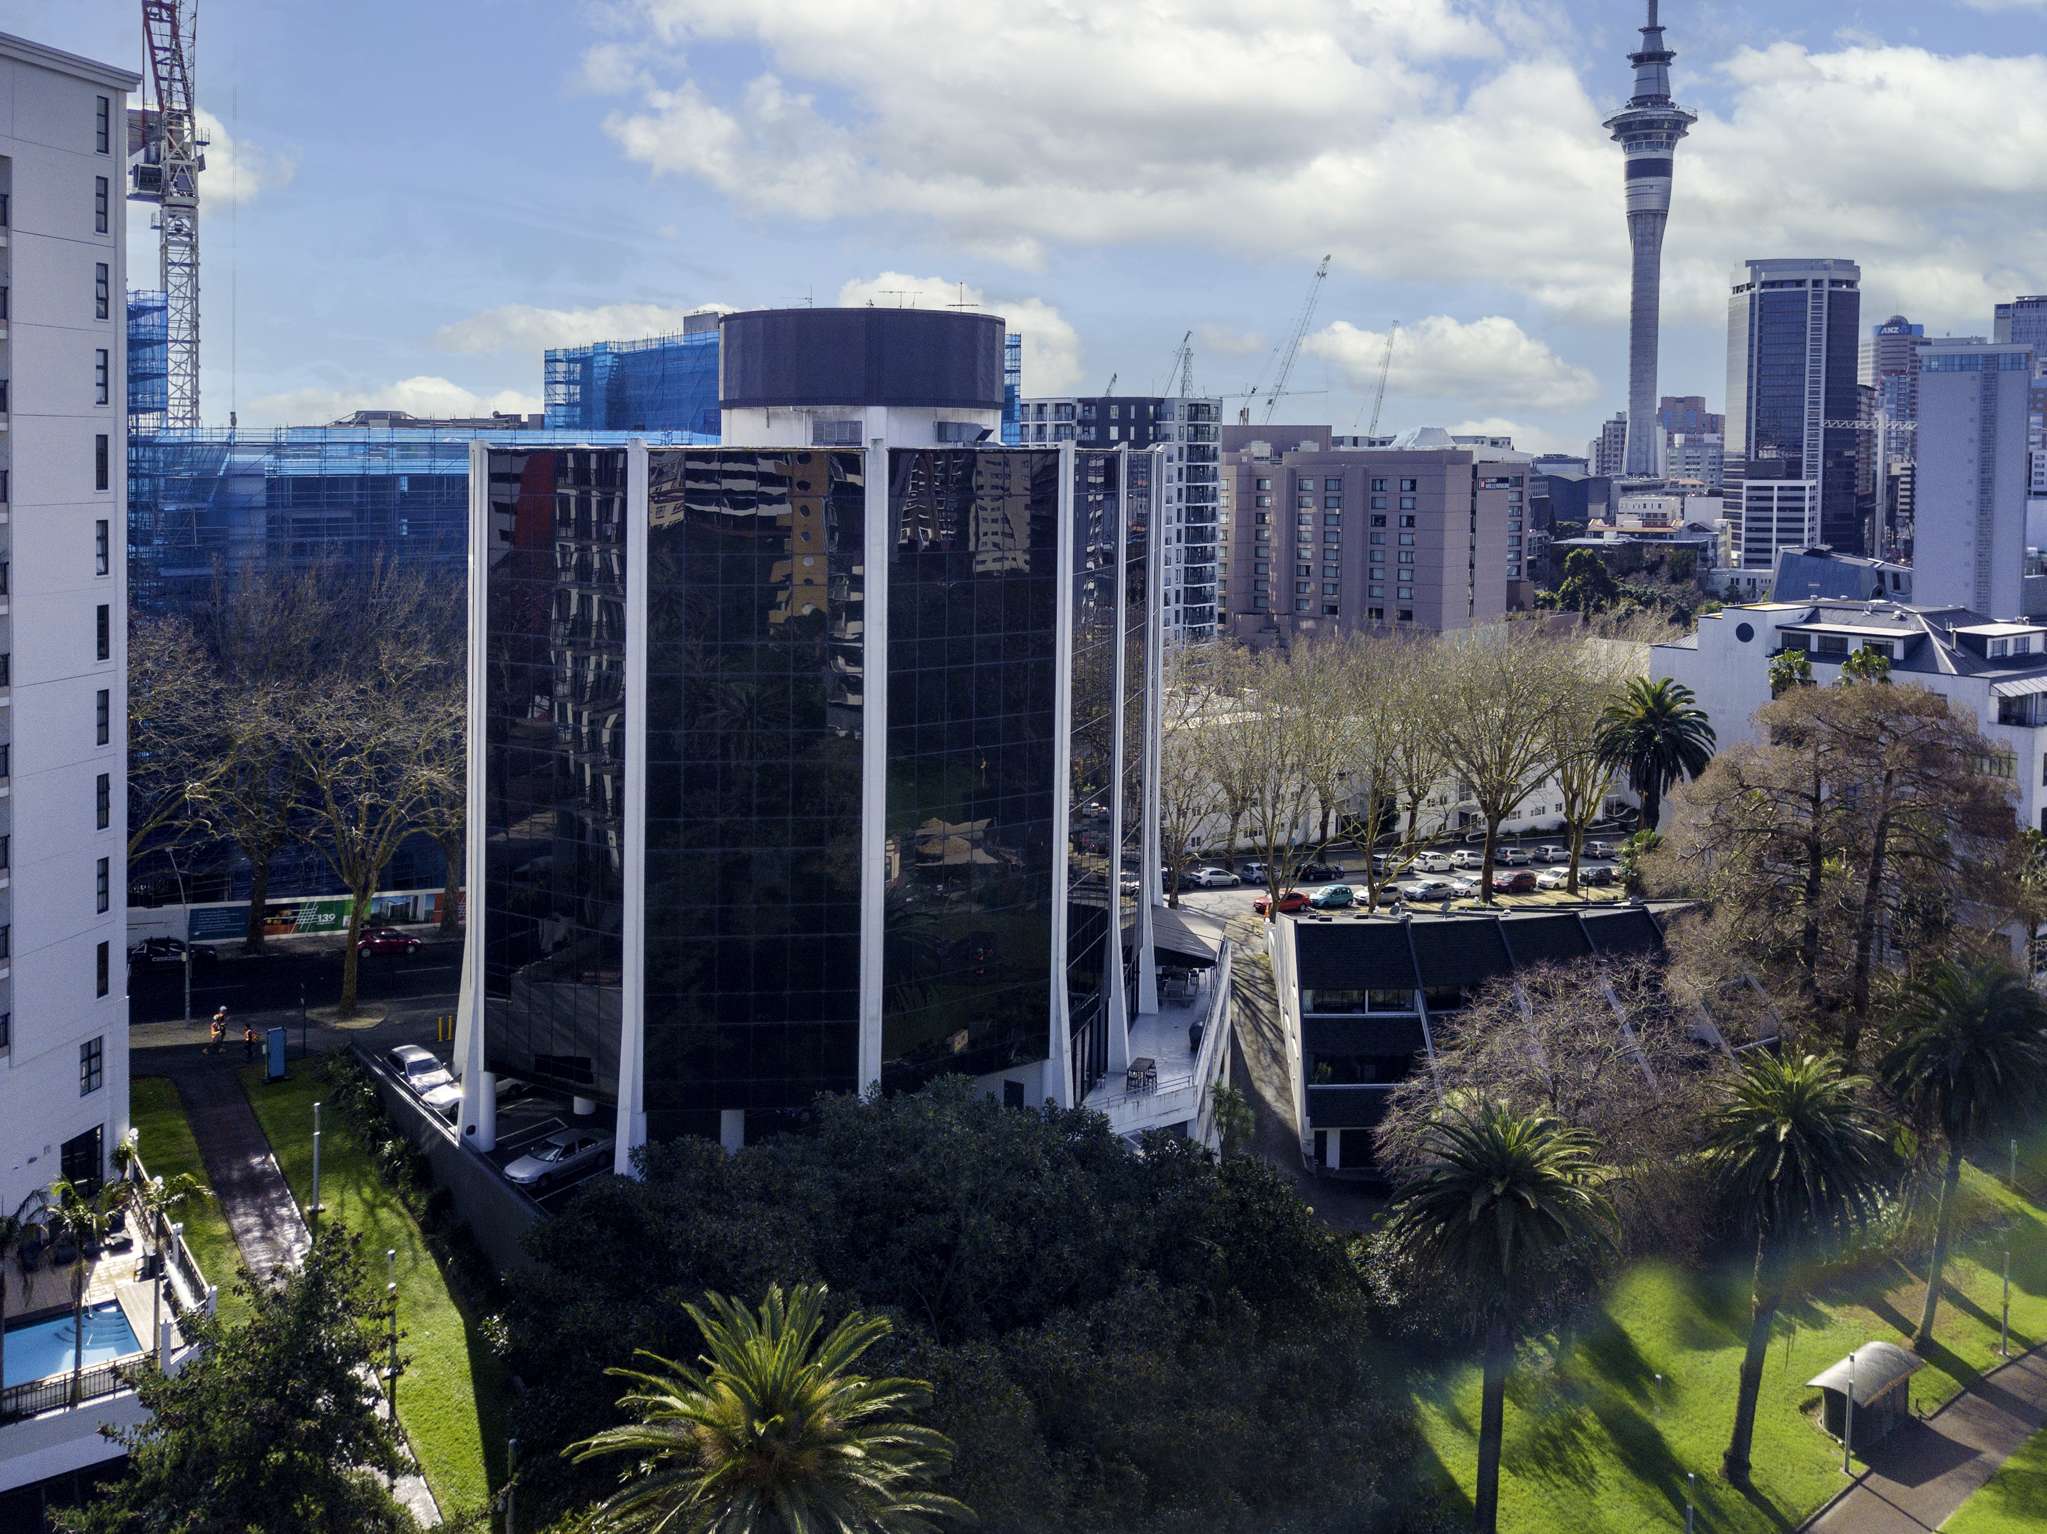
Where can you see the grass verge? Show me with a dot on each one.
(167, 1149)
(452, 1395)
(1604, 1424)
(2014, 1501)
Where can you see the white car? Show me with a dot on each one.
(1464, 889)
(1428, 889)
(1467, 857)
(1212, 878)
(563, 1152)
(1551, 853)
(421, 1071)
(1553, 879)
(1432, 863)
(1510, 857)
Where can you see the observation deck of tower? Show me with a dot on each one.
(1647, 129)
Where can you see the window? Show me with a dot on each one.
(1263, 484)
(99, 376)
(104, 128)
(102, 553)
(1378, 521)
(102, 465)
(91, 1065)
(1407, 521)
(1333, 502)
(106, 632)
(1329, 588)
(1407, 615)
(6, 851)
(1378, 537)
(101, 889)
(1376, 614)
(1407, 503)
(99, 204)
(102, 980)
(105, 803)
(1378, 501)
(1378, 484)
(1410, 484)
(1407, 540)
(99, 291)
(6, 1029)
(6, 668)
(1407, 556)
(105, 707)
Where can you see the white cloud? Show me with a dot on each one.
(526, 328)
(1527, 439)
(1441, 358)
(240, 171)
(423, 395)
(1051, 346)
(1221, 341)
(613, 69)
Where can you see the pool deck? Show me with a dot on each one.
(47, 1292)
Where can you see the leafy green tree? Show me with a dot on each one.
(1494, 1196)
(272, 1423)
(1803, 1159)
(1969, 1054)
(1234, 1120)
(775, 1434)
(1865, 666)
(82, 1215)
(1655, 733)
(1587, 585)
(1789, 669)
(152, 1200)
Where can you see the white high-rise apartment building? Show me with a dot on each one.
(63, 628)
(1973, 476)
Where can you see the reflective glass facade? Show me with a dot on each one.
(1140, 511)
(1091, 873)
(755, 622)
(554, 767)
(972, 659)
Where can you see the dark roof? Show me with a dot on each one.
(1548, 939)
(1177, 943)
(1459, 953)
(1362, 1036)
(1353, 955)
(1629, 930)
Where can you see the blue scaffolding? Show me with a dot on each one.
(149, 361)
(1012, 388)
(663, 383)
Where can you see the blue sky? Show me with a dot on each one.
(407, 202)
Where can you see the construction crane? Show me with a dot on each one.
(169, 156)
(1112, 383)
(1379, 398)
(1293, 345)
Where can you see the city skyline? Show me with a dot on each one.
(691, 157)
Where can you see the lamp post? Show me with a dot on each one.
(391, 1374)
(511, 1485)
(313, 1209)
(1691, 1487)
(303, 1048)
(1848, 1433)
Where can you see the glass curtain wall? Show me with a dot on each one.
(1140, 518)
(755, 582)
(972, 660)
(554, 767)
(1090, 853)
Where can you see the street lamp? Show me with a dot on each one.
(1691, 1489)
(313, 1209)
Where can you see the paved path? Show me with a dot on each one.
(252, 1192)
(1927, 1469)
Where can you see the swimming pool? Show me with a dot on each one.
(39, 1348)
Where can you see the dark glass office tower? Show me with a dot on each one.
(1093, 900)
(1793, 342)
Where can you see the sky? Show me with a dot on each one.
(405, 203)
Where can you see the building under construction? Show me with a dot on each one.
(661, 383)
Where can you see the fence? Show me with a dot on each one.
(54, 1393)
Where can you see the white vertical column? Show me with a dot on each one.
(1059, 1046)
(632, 1032)
(478, 1125)
(873, 757)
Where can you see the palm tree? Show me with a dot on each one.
(1970, 1052)
(85, 1216)
(14, 1229)
(153, 1199)
(1803, 1158)
(1492, 1193)
(771, 1432)
(1789, 669)
(1655, 732)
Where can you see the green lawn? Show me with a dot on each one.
(452, 1396)
(1594, 1443)
(2014, 1501)
(167, 1149)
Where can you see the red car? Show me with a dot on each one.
(1514, 881)
(382, 940)
(1290, 902)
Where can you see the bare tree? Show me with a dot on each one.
(175, 745)
(1189, 791)
(1493, 697)
(1382, 688)
(1280, 732)
(1582, 779)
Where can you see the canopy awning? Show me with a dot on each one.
(1878, 1366)
(2024, 687)
(1175, 942)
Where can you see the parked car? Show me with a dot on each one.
(152, 951)
(1513, 881)
(1464, 889)
(1598, 873)
(1427, 889)
(1510, 857)
(1553, 879)
(1128, 885)
(382, 940)
(1320, 873)
(1602, 849)
(1212, 878)
(1290, 902)
(565, 1151)
(1550, 852)
(1252, 872)
(421, 1071)
(1467, 857)
(1334, 898)
(1433, 862)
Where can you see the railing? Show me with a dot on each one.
(54, 1393)
(171, 1245)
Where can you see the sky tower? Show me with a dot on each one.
(1647, 129)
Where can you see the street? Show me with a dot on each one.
(272, 982)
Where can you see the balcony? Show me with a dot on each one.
(1182, 1090)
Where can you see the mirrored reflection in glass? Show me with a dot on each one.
(1091, 874)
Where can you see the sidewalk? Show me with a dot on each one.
(1928, 1468)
